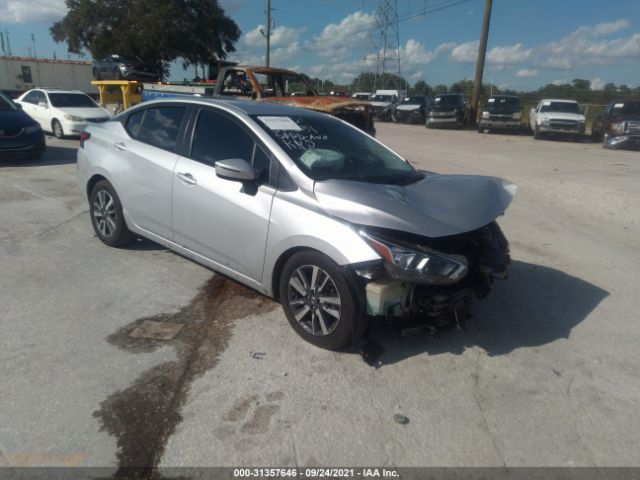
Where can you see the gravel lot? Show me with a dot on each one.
(547, 373)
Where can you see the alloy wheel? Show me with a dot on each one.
(105, 213)
(314, 300)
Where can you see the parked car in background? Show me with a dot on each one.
(450, 109)
(412, 109)
(62, 112)
(278, 85)
(124, 67)
(557, 117)
(20, 135)
(361, 96)
(383, 103)
(300, 206)
(501, 112)
(618, 125)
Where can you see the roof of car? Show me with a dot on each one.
(249, 107)
(561, 100)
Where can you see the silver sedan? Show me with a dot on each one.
(300, 206)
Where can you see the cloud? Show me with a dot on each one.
(414, 52)
(20, 11)
(500, 55)
(280, 36)
(338, 40)
(585, 46)
(526, 72)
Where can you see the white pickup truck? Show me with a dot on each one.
(551, 116)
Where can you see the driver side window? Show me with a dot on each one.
(218, 137)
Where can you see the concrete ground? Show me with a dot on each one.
(547, 373)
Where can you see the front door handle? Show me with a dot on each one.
(187, 178)
(119, 146)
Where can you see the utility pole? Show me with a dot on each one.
(7, 42)
(482, 51)
(268, 32)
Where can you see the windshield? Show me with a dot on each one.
(324, 149)
(6, 105)
(382, 98)
(626, 107)
(563, 107)
(361, 96)
(448, 100)
(503, 102)
(73, 100)
(413, 100)
(126, 58)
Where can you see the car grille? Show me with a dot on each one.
(633, 128)
(97, 120)
(500, 118)
(563, 124)
(10, 132)
(442, 114)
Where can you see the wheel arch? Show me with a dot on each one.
(95, 178)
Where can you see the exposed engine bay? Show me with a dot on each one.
(419, 304)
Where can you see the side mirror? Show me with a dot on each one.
(18, 105)
(43, 104)
(236, 169)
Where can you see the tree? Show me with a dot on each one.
(440, 89)
(157, 30)
(422, 88)
(368, 82)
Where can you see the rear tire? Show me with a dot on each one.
(117, 74)
(106, 216)
(317, 300)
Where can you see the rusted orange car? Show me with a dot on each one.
(278, 85)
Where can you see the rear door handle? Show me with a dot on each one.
(187, 178)
(119, 146)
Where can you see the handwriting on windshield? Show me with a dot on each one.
(304, 139)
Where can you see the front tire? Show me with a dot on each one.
(317, 300)
(106, 216)
(536, 133)
(56, 128)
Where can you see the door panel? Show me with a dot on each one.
(221, 219)
(144, 178)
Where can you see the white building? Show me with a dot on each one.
(18, 74)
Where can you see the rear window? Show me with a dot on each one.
(160, 126)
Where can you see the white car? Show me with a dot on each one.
(552, 116)
(62, 112)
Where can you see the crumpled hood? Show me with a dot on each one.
(321, 103)
(380, 104)
(436, 206)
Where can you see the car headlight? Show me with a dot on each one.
(73, 118)
(544, 121)
(617, 127)
(516, 116)
(32, 129)
(485, 114)
(422, 264)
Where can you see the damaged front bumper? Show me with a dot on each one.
(415, 303)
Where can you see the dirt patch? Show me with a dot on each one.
(144, 416)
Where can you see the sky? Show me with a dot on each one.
(531, 42)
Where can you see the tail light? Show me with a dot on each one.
(84, 136)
